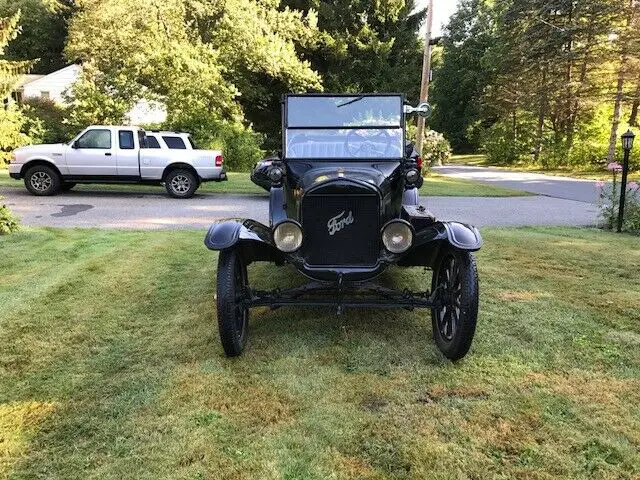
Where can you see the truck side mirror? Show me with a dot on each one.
(74, 144)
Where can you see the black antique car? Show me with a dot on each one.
(344, 206)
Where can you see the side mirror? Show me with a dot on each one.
(423, 109)
(74, 144)
(409, 148)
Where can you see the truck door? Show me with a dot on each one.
(127, 153)
(92, 154)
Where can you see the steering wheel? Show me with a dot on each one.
(358, 145)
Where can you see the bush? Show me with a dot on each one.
(239, 144)
(48, 119)
(436, 149)
(609, 201)
(8, 223)
(13, 124)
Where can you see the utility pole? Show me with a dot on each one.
(426, 74)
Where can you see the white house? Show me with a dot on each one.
(54, 85)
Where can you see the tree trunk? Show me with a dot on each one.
(613, 139)
(542, 110)
(575, 107)
(633, 118)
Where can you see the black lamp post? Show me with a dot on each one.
(627, 145)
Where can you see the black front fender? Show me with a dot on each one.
(429, 241)
(253, 239)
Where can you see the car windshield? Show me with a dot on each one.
(344, 127)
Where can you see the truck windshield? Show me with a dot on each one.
(344, 127)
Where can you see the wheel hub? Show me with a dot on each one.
(180, 184)
(41, 181)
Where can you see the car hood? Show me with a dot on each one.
(376, 174)
(47, 148)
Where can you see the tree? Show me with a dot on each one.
(44, 31)
(532, 77)
(367, 46)
(628, 51)
(463, 73)
(196, 56)
(12, 122)
(261, 62)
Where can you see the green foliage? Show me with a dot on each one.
(535, 81)
(367, 46)
(239, 144)
(90, 102)
(8, 222)
(47, 120)
(609, 202)
(462, 74)
(15, 131)
(200, 58)
(436, 149)
(44, 30)
(10, 71)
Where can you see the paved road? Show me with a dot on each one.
(552, 186)
(156, 211)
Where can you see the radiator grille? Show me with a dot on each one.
(341, 230)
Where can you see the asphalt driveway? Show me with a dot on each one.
(157, 211)
(558, 187)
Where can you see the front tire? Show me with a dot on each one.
(181, 183)
(42, 181)
(233, 314)
(454, 323)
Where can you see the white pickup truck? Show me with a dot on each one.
(108, 154)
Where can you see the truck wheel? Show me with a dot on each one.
(181, 183)
(233, 314)
(66, 186)
(42, 180)
(454, 323)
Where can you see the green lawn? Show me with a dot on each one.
(435, 185)
(479, 160)
(111, 367)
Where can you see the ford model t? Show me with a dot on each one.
(344, 206)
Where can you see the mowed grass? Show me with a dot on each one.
(587, 173)
(111, 367)
(240, 183)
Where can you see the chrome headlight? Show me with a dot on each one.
(288, 236)
(275, 174)
(412, 175)
(397, 236)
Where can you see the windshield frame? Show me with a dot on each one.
(286, 128)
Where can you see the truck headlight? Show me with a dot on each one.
(397, 236)
(12, 158)
(288, 236)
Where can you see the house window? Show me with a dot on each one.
(45, 95)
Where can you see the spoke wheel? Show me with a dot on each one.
(454, 322)
(42, 180)
(233, 313)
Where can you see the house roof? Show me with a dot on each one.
(26, 79)
(30, 79)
